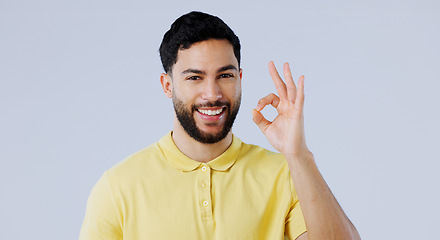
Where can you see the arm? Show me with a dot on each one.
(102, 221)
(323, 215)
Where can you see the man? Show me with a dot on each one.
(200, 181)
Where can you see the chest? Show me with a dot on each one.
(205, 205)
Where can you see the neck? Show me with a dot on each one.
(201, 152)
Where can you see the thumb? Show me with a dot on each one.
(259, 119)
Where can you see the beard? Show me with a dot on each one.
(186, 119)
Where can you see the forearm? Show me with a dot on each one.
(323, 215)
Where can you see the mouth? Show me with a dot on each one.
(211, 115)
(211, 111)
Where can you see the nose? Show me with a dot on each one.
(211, 91)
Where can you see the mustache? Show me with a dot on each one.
(217, 103)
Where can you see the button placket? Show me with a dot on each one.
(205, 184)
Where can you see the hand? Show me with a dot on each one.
(286, 131)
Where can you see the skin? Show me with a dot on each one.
(208, 85)
(323, 215)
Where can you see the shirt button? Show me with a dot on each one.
(204, 168)
(204, 185)
(205, 203)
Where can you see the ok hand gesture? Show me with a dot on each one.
(286, 131)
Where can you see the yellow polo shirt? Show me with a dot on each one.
(160, 193)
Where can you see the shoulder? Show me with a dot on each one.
(259, 154)
(138, 163)
(254, 157)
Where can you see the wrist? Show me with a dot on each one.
(303, 156)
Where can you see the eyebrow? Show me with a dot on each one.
(222, 69)
(228, 67)
(192, 70)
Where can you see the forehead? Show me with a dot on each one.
(207, 55)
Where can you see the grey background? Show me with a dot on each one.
(80, 91)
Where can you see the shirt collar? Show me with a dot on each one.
(182, 162)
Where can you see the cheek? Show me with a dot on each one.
(237, 93)
(233, 90)
(181, 92)
(185, 99)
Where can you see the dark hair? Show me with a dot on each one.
(191, 28)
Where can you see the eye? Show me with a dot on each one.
(226, 75)
(193, 78)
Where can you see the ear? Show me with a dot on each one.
(167, 84)
(240, 74)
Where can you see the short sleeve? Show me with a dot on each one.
(295, 224)
(102, 220)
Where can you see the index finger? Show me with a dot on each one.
(279, 84)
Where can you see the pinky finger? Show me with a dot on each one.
(299, 101)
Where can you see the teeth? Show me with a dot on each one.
(211, 112)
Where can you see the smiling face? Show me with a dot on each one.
(205, 85)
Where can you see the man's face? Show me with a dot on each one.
(206, 89)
